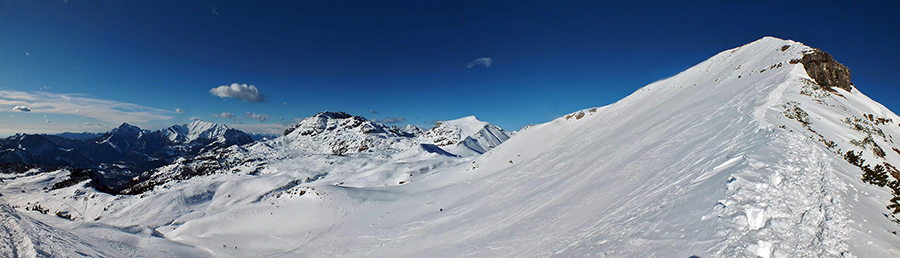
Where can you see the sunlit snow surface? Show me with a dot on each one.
(705, 163)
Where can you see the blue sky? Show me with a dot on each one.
(91, 65)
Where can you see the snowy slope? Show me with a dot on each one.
(33, 230)
(740, 155)
(696, 164)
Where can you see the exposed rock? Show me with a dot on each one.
(828, 73)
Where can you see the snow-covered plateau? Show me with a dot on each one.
(745, 154)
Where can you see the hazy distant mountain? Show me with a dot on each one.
(38, 149)
(79, 136)
(263, 136)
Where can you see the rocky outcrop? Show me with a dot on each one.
(828, 73)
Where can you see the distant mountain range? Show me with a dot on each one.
(335, 134)
(118, 157)
(124, 148)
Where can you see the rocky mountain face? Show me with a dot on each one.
(827, 72)
(126, 144)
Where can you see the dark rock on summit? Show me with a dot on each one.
(827, 72)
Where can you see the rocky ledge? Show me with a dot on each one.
(825, 70)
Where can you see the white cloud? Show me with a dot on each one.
(392, 120)
(247, 93)
(21, 109)
(485, 61)
(178, 110)
(373, 111)
(260, 117)
(227, 115)
(196, 119)
(77, 104)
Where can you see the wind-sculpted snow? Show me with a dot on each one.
(23, 236)
(741, 155)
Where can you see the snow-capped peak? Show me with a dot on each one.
(471, 135)
(341, 133)
(197, 130)
(126, 129)
(329, 121)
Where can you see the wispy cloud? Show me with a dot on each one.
(92, 125)
(485, 61)
(373, 111)
(392, 120)
(21, 109)
(80, 105)
(261, 128)
(51, 128)
(194, 118)
(248, 93)
(180, 111)
(260, 117)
